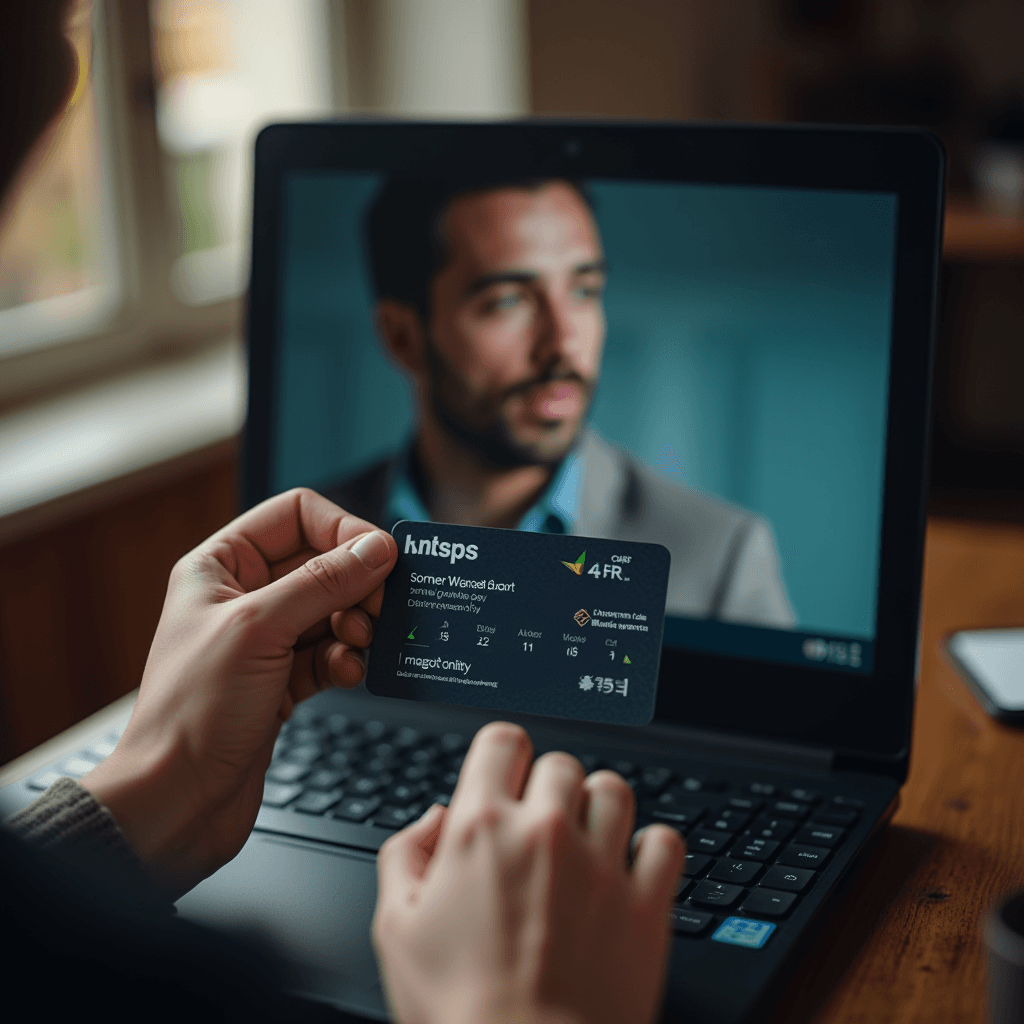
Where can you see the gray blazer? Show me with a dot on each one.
(724, 562)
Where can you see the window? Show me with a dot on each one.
(57, 267)
(131, 244)
(223, 70)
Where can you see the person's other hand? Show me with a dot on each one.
(518, 903)
(242, 638)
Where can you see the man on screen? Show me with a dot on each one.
(489, 297)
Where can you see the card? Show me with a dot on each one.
(538, 623)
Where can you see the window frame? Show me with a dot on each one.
(139, 318)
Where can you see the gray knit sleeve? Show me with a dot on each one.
(67, 814)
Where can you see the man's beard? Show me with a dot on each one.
(492, 442)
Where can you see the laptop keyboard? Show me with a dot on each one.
(755, 849)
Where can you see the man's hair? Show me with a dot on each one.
(403, 234)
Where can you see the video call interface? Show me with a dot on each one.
(703, 367)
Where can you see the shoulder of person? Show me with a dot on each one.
(655, 502)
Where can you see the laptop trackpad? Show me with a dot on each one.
(313, 903)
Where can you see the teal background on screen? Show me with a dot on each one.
(747, 356)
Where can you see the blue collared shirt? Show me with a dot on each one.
(555, 511)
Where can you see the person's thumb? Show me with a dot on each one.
(329, 582)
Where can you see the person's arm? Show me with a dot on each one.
(519, 904)
(274, 607)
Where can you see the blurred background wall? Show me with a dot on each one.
(122, 266)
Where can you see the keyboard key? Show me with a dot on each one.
(76, 767)
(366, 785)
(408, 737)
(315, 801)
(378, 765)
(325, 779)
(342, 760)
(746, 803)
(740, 872)
(804, 856)
(761, 789)
(444, 799)
(768, 827)
(338, 724)
(308, 752)
(424, 755)
(303, 715)
(805, 796)
(715, 894)
(689, 922)
(835, 816)
(677, 800)
(275, 794)
(374, 730)
(789, 809)
(654, 780)
(395, 817)
(349, 743)
(44, 780)
(742, 931)
(287, 772)
(453, 742)
(625, 768)
(768, 903)
(590, 762)
(729, 820)
(700, 840)
(678, 816)
(790, 879)
(406, 792)
(820, 835)
(848, 801)
(356, 808)
(754, 849)
(301, 736)
(102, 749)
(693, 784)
(696, 864)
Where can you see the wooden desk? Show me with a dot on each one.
(902, 942)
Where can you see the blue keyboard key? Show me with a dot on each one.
(743, 931)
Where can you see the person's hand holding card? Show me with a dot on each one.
(518, 903)
(242, 639)
(526, 622)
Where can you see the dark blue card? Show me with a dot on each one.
(530, 622)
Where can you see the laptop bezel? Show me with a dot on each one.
(865, 719)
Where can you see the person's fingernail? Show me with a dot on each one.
(354, 661)
(359, 631)
(372, 549)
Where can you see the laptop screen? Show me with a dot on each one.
(704, 367)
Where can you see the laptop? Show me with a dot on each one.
(710, 337)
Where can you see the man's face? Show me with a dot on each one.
(517, 323)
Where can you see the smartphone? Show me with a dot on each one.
(991, 662)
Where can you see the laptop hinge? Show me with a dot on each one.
(703, 741)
